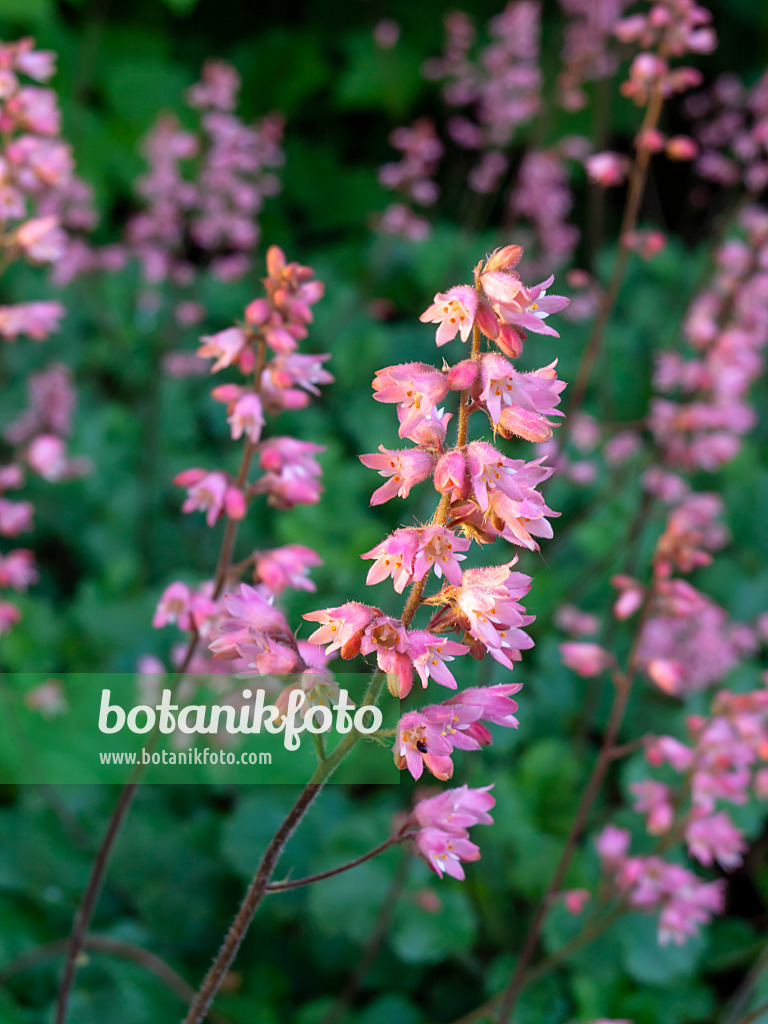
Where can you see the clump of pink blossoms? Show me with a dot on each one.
(204, 189)
(38, 187)
(239, 621)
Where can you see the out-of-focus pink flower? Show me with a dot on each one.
(247, 417)
(585, 658)
(286, 566)
(212, 493)
(572, 620)
(17, 569)
(607, 168)
(47, 456)
(576, 899)
(225, 347)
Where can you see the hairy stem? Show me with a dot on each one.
(200, 1005)
(90, 897)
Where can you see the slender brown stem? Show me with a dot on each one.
(637, 180)
(309, 879)
(761, 1011)
(112, 947)
(90, 897)
(233, 940)
(441, 512)
(200, 1005)
(374, 943)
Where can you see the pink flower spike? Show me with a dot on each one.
(405, 468)
(454, 311)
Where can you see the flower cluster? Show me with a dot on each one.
(412, 176)
(272, 376)
(483, 495)
(723, 762)
(442, 838)
(38, 189)
(684, 901)
(213, 207)
(727, 330)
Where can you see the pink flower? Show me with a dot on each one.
(47, 456)
(607, 168)
(416, 387)
(405, 468)
(174, 606)
(17, 569)
(576, 622)
(454, 810)
(341, 628)
(532, 307)
(429, 653)
(38, 320)
(286, 566)
(612, 845)
(256, 632)
(444, 851)
(440, 549)
(291, 472)
(715, 838)
(519, 403)
(15, 517)
(454, 311)
(655, 800)
(423, 739)
(211, 493)
(225, 347)
(506, 487)
(9, 616)
(247, 417)
(576, 899)
(394, 557)
(487, 607)
(586, 659)
(387, 638)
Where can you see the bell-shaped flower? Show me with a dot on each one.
(394, 557)
(519, 403)
(429, 653)
(404, 468)
(440, 549)
(454, 311)
(416, 387)
(341, 629)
